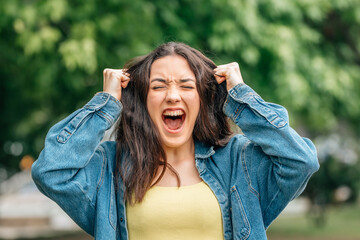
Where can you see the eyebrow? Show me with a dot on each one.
(165, 81)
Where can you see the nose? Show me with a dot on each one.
(173, 95)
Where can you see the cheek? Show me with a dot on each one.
(194, 104)
(153, 105)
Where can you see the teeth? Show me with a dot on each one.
(173, 113)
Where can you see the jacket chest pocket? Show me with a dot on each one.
(241, 225)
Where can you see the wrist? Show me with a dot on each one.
(115, 95)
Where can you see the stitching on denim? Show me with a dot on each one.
(117, 102)
(104, 160)
(209, 153)
(109, 117)
(111, 203)
(101, 115)
(272, 200)
(278, 125)
(82, 121)
(88, 198)
(239, 109)
(244, 216)
(64, 139)
(223, 193)
(243, 161)
(77, 126)
(279, 187)
(236, 112)
(301, 186)
(104, 97)
(106, 116)
(246, 97)
(67, 131)
(251, 186)
(215, 180)
(258, 99)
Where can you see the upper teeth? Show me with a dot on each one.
(173, 113)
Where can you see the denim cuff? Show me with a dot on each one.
(106, 106)
(235, 100)
(242, 96)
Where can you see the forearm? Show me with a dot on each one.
(71, 165)
(266, 124)
(279, 162)
(71, 143)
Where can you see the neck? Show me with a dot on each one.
(183, 153)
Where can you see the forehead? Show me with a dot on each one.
(171, 66)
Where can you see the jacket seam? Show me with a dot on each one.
(277, 193)
(104, 160)
(88, 198)
(105, 116)
(111, 203)
(251, 188)
(76, 127)
(244, 215)
(301, 186)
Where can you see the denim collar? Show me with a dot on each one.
(203, 151)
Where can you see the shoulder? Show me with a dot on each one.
(108, 146)
(239, 149)
(236, 143)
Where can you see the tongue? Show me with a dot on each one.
(173, 124)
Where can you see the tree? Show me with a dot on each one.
(301, 54)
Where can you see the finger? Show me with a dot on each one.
(236, 67)
(106, 73)
(124, 81)
(221, 71)
(220, 74)
(125, 72)
(219, 78)
(122, 74)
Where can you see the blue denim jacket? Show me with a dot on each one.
(253, 177)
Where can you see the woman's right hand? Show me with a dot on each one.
(114, 81)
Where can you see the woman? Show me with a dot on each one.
(175, 170)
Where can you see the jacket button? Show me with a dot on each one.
(121, 219)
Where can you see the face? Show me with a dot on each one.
(173, 102)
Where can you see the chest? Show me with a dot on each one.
(171, 212)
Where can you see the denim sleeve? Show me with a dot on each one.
(278, 161)
(71, 166)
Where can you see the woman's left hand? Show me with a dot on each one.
(229, 72)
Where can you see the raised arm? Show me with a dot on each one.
(71, 167)
(278, 161)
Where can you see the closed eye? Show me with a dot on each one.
(188, 87)
(157, 87)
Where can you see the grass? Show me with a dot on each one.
(340, 223)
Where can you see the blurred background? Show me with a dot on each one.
(302, 54)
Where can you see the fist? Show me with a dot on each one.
(230, 73)
(114, 81)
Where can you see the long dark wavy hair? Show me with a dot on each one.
(139, 152)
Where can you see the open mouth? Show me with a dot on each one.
(173, 119)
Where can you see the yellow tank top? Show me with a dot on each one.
(188, 212)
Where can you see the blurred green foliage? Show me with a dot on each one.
(303, 54)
